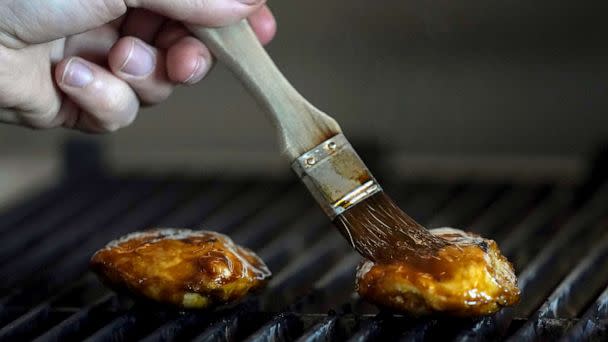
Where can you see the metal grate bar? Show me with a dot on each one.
(570, 296)
(75, 263)
(506, 210)
(207, 201)
(471, 202)
(289, 202)
(258, 193)
(127, 327)
(279, 221)
(277, 215)
(373, 330)
(84, 320)
(553, 327)
(539, 276)
(24, 327)
(18, 214)
(515, 248)
(302, 264)
(326, 330)
(441, 329)
(296, 237)
(420, 332)
(548, 267)
(327, 284)
(285, 327)
(12, 244)
(241, 208)
(425, 204)
(34, 321)
(337, 285)
(226, 329)
(548, 211)
(331, 289)
(71, 234)
(290, 281)
(296, 278)
(226, 322)
(594, 324)
(286, 280)
(261, 227)
(177, 329)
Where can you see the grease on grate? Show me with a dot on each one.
(468, 277)
(186, 268)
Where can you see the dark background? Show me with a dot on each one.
(504, 80)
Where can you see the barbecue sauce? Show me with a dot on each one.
(380, 231)
(468, 277)
(186, 268)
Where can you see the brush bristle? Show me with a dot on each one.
(382, 232)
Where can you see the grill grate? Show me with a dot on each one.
(557, 241)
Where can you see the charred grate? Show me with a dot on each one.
(557, 239)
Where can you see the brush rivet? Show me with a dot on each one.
(331, 146)
(310, 161)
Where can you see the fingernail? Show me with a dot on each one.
(77, 74)
(140, 61)
(199, 71)
(249, 2)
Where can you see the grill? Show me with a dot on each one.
(555, 235)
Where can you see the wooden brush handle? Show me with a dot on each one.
(301, 126)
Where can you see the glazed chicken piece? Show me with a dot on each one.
(182, 267)
(468, 277)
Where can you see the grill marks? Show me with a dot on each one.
(313, 275)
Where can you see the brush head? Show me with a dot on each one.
(351, 197)
(382, 232)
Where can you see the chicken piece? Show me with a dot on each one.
(186, 268)
(469, 277)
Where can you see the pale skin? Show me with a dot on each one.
(91, 64)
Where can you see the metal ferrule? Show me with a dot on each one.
(335, 175)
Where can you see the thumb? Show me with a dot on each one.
(38, 21)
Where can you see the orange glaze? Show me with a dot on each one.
(186, 268)
(468, 277)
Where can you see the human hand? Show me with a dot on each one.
(89, 65)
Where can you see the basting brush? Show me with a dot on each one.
(321, 155)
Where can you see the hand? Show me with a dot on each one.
(89, 65)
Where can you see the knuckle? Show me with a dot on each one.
(44, 112)
(42, 120)
(9, 36)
